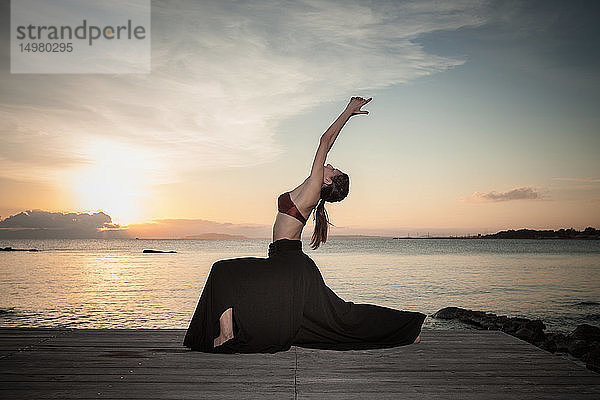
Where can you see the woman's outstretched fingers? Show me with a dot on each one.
(363, 103)
(356, 103)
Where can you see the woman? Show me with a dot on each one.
(252, 304)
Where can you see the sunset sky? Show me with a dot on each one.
(485, 116)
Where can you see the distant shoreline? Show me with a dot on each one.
(528, 234)
(484, 237)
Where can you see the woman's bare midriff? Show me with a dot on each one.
(286, 227)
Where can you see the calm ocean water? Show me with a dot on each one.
(110, 283)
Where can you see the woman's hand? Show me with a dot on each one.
(355, 104)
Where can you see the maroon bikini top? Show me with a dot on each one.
(287, 206)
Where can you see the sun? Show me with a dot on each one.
(117, 180)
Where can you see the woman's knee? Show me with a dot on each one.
(218, 268)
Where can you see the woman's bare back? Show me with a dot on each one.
(288, 227)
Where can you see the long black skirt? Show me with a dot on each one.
(282, 301)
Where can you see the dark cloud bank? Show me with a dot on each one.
(38, 224)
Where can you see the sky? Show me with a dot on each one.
(484, 117)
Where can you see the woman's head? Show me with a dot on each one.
(329, 172)
(337, 190)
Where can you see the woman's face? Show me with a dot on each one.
(329, 172)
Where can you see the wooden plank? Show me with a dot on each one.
(179, 375)
(215, 369)
(132, 390)
(204, 391)
(510, 390)
(462, 395)
(16, 340)
(178, 348)
(209, 367)
(482, 368)
(237, 375)
(422, 367)
(153, 364)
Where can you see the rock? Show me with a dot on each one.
(530, 330)
(579, 347)
(478, 319)
(11, 249)
(586, 332)
(549, 345)
(525, 334)
(450, 313)
(537, 327)
(489, 324)
(583, 342)
(157, 251)
(560, 340)
(592, 359)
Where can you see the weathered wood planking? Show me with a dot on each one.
(475, 364)
(152, 364)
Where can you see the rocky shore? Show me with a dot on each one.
(582, 343)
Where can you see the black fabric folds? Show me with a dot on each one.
(282, 301)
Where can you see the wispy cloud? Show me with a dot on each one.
(521, 193)
(577, 187)
(224, 75)
(590, 180)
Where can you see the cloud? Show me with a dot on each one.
(521, 193)
(589, 180)
(577, 187)
(45, 224)
(224, 75)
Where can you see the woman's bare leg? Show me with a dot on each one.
(226, 326)
(417, 340)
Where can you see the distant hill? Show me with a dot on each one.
(215, 236)
(587, 233)
(357, 236)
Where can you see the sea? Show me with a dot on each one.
(110, 283)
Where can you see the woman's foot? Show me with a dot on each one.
(221, 339)
(417, 340)
(226, 328)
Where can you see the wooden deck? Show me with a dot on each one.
(152, 364)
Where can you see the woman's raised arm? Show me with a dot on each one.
(328, 138)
